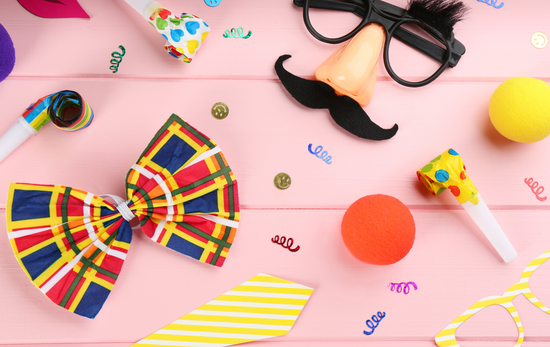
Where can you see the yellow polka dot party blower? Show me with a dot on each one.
(448, 171)
(184, 35)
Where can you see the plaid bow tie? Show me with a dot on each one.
(72, 243)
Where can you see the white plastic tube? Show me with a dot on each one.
(15, 136)
(143, 7)
(484, 219)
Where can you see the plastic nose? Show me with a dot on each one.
(352, 69)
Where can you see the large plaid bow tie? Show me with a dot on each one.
(72, 243)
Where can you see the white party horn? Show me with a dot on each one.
(144, 7)
(448, 171)
(184, 34)
(18, 133)
(66, 109)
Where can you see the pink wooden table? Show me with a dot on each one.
(267, 132)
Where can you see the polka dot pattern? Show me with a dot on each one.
(455, 190)
(441, 176)
(448, 171)
(427, 168)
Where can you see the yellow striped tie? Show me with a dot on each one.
(260, 308)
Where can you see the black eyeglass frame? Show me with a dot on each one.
(390, 17)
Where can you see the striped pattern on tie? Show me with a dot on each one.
(260, 308)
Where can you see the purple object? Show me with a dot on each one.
(7, 54)
(402, 287)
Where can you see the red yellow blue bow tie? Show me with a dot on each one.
(72, 244)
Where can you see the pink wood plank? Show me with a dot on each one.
(329, 343)
(267, 132)
(498, 41)
(450, 262)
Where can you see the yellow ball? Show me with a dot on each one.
(520, 109)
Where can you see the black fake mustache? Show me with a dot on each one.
(345, 111)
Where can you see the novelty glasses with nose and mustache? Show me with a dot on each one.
(447, 338)
(393, 19)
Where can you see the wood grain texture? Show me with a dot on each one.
(451, 262)
(498, 42)
(268, 132)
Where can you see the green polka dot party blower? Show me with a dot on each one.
(448, 171)
(184, 35)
